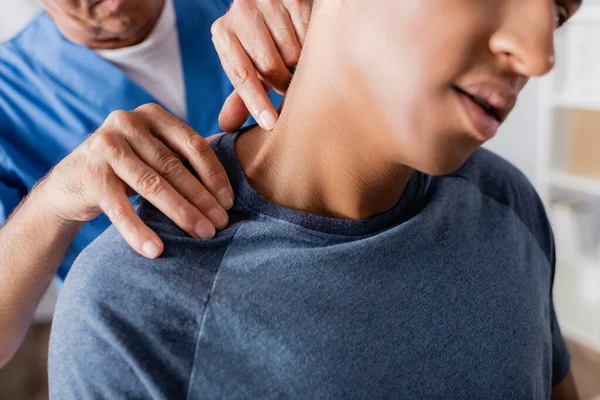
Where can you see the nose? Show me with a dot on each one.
(525, 39)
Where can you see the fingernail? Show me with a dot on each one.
(151, 249)
(218, 217)
(268, 119)
(225, 198)
(205, 230)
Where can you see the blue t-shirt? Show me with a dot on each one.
(447, 295)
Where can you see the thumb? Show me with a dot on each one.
(233, 114)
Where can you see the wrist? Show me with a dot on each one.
(41, 203)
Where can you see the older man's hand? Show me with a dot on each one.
(259, 44)
(141, 152)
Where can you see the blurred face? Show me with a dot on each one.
(436, 78)
(105, 23)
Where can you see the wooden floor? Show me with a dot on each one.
(24, 378)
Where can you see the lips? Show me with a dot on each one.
(484, 123)
(487, 106)
(484, 104)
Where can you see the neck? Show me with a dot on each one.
(322, 157)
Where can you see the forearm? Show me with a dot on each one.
(33, 243)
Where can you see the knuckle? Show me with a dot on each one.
(105, 140)
(185, 217)
(218, 27)
(121, 119)
(150, 185)
(150, 109)
(215, 174)
(94, 143)
(107, 144)
(169, 165)
(200, 197)
(197, 144)
(240, 75)
(268, 66)
(115, 212)
(267, 3)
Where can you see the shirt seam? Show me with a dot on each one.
(203, 317)
(546, 256)
(565, 367)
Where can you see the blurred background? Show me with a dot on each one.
(553, 136)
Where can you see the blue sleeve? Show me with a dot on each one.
(125, 326)
(500, 180)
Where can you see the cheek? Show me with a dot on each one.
(424, 129)
(404, 68)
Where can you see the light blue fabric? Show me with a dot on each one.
(446, 296)
(53, 93)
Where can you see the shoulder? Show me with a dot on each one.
(187, 264)
(496, 177)
(134, 320)
(502, 182)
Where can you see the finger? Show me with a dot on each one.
(180, 137)
(161, 159)
(138, 236)
(154, 188)
(243, 75)
(266, 85)
(299, 12)
(233, 114)
(281, 28)
(257, 41)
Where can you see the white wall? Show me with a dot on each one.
(517, 138)
(14, 14)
